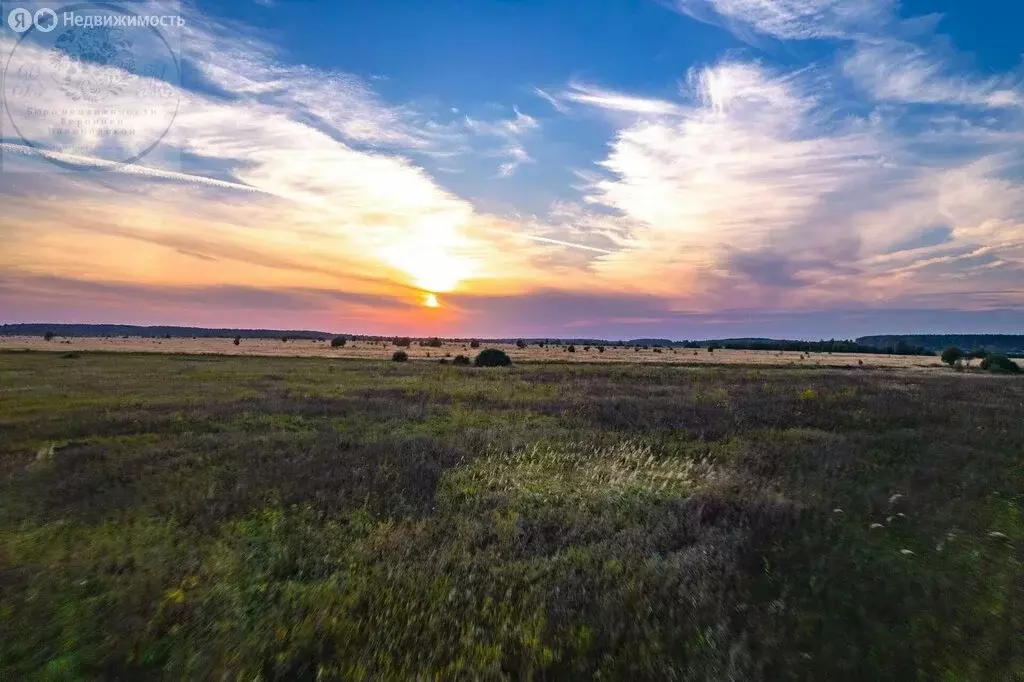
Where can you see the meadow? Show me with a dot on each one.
(382, 350)
(188, 516)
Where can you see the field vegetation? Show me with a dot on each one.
(230, 517)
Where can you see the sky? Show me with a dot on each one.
(653, 168)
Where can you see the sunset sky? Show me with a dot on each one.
(621, 169)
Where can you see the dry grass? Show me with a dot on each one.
(362, 349)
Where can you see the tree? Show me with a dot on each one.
(474, 344)
(48, 336)
(338, 342)
(433, 343)
(238, 340)
(952, 355)
(492, 357)
(399, 356)
(402, 342)
(999, 363)
(520, 344)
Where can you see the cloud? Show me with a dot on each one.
(552, 100)
(614, 101)
(792, 19)
(764, 191)
(896, 71)
(510, 131)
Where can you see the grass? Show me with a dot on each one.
(175, 516)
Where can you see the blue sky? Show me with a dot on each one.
(680, 168)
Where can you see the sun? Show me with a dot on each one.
(430, 300)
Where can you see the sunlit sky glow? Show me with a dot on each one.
(683, 169)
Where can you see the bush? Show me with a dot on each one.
(492, 357)
(461, 360)
(403, 342)
(400, 356)
(952, 355)
(520, 344)
(999, 363)
(338, 342)
(48, 336)
(571, 348)
(284, 339)
(237, 341)
(474, 344)
(433, 343)
(600, 349)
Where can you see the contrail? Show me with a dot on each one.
(558, 242)
(128, 169)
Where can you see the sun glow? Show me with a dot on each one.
(430, 300)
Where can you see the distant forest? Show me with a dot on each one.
(1007, 344)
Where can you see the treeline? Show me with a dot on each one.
(1007, 344)
(113, 330)
(899, 347)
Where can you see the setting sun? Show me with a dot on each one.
(430, 300)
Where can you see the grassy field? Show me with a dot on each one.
(211, 517)
(532, 353)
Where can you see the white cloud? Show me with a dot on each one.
(763, 194)
(607, 99)
(792, 19)
(896, 71)
(510, 131)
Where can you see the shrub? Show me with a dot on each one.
(338, 342)
(571, 348)
(474, 344)
(400, 356)
(433, 343)
(999, 363)
(492, 357)
(520, 344)
(48, 336)
(403, 342)
(443, 361)
(952, 355)
(461, 360)
(237, 341)
(600, 349)
(284, 339)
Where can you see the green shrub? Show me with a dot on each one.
(400, 356)
(520, 344)
(338, 342)
(999, 363)
(571, 348)
(237, 341)
(461, 360)
(492, 357)
(952, 355)
(474, 344)
(600, 349)
(433, 343)
(403, 342)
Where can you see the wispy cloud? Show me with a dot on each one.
(897, 71)
(511, 132)
(616, 101)
(792, 19)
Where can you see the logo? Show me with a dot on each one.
(45, 19)
(94, 85)
(20, 20)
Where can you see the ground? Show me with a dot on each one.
(532, 353)
(211, 517)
